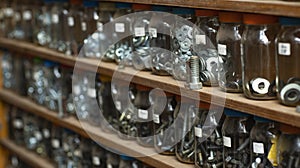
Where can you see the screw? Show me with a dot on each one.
(193, 81)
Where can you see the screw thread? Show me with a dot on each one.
(194, 66)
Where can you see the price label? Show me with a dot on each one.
(227, 141)
(200, 39)
(83, 26)
(258, 148)
(76, 89)
(118, 105)
(156, 119)
(139, 31)
(55, 18)
(71, 21)
(92, 92)
(55, 143)
(153, 32)
(143, 114)
(27, 15)
(120, 27)
(96, 161)
(198, 132)
(100, 26)
(284, 49)
(222, 49)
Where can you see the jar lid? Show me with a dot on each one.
(183, 11)
(206, 12)
(127, 158)
(261, 119)
(90, 4)
(161, 8)
(76, 2)
(104, 78)
(50, 63)
(234, 113)
(230, 17)
(288, 129)
(143, 88)
(141, 7)
(289, 21)
(123, 5)
(256, 19)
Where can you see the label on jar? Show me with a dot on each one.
(258, 148)
(38, 135)
(55, 18)
(17, 16)
(200, 39)
(153, 32)
(8, 12)
(92, 92)
(284, 49)
(156, 119)
(198, 132)
(139, 31)
(76, 89)
(100, 26)
(222, 49)
(71, 21)
(17, 123)
(120, 27)
(46, 133)
(118, 105)
(83, 26)
(27, 15)
(227, 141)
(55, 143)
(96, 161)
(143, 114)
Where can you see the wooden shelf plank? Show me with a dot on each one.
(27, 156)
(106, 139)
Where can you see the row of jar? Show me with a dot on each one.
(62, 146)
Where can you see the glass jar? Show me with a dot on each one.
(112, 160)
(236, 139)
(86, 150)
(32, 134)
(141, 57)
(160, 31)
(145, 132)
(18, 74)
(16, 125)
(8, 18)
(287, 57)
(181, 42)
(79, 90)
(67, 97)
(8, 70)
(288, 148)
(71, 147)
(17, 32)
(121, 52)
(57, 151)
(229, 38)
(205, 46)
(258, 56)
(208, 137)
(163, 107)
(262, 138)
(38, 90)
(185, 114)
(98, 156)
(27, 21)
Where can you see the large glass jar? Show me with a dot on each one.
(145, 132)
(185, 114)
(181, 42)
(288, 61)
(229, 38)
(263, 136)
(236, 139)
(205, 46)
(208, 137)
(163, 107)
(288, 148)
(258, 56)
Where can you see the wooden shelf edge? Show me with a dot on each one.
(25, 155)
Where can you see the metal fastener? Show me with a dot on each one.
(193, 81)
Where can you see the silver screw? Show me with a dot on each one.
(193, 72)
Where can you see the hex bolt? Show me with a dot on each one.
(193, 72)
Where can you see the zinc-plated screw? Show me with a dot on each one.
(193, 72)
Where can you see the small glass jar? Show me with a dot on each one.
(27, 21)
(236, 139)
(57, 151)
(8, 12)
(17, 32)
(145, 132)
(32, 134)
(16, 126)
(79, 90)
(98, 156)
(163, 107)
(86, 151)
(185, 115)
(8, 70)
(67, 97)
(288, 148)
(287, 60)
(181, 42)
(208, 137)
(229, 38)
(205, 46)
(258, 56)
(38, 90)
(262, 138)
(71, 146)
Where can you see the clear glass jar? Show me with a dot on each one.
(57, 151)
(185, 114)
(287, 60)
(163, 107)
(71, 146)
(86, 150)
(17, 32)
(205, 46)
(79, 90)
(121, 52)
(262, 138)
(38, 90)
(98, 156)
(27, 21)
(229, 38)
(67, 97)
(8, 70)
(16, 125)
(159, 31)
(8, 18)
(288, 148)
(236, 139)
(181, 42)
(208, 137)
(258, 56)
(145, 132)
(32, 134)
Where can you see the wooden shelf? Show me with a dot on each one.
(25, 155)
(106, 139)
(271, 7)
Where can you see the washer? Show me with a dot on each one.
(290, 93)
(255, 84)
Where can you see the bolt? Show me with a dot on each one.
(193, 81)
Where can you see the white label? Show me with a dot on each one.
(153, 32)
(139, 31)
(27, 15)
(71, 22)
(55, 18)
(83, 26)
(118, 105)
(46, 133)
(200, 39)
(96, 16)
(222, 49)
(100, 26)
(227, 141)
(18, 123)
(92, 92)
(76, 89)
(258, 148)
(143, 114)
(38, 135)
(198, 132)
(96, 161)
(17, 16)
(156, 118)
(120, 27)
(8, 12)
(55, 143)
(284, 49)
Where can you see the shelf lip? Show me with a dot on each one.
(107, 139)
(26, 155)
